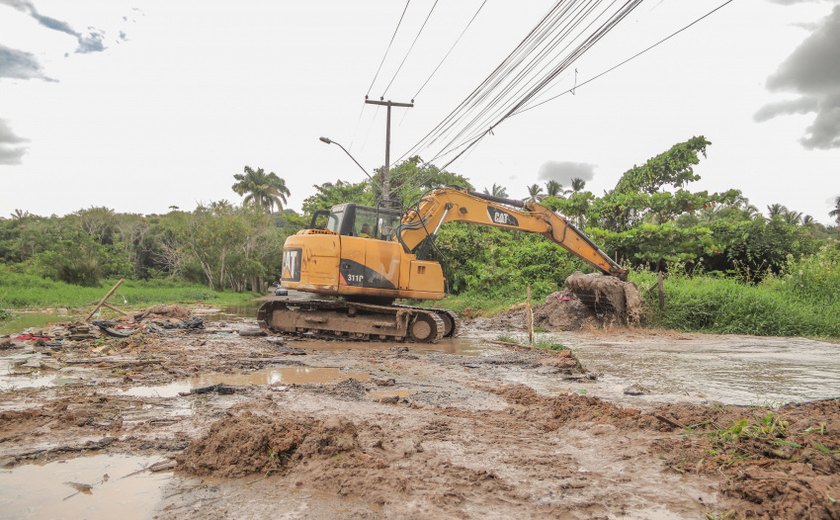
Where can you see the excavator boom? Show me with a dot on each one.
(450, 204)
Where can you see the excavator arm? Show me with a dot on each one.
(450, 205)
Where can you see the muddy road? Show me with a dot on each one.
(205, 422)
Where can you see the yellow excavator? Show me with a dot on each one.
(368, 258)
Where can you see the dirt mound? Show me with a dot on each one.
(347, 389)
(590, 301)
(608, 294)
(254, 443)
(562, 311)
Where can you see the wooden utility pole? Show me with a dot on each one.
(386, 181)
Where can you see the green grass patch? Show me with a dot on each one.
(802, 301)
(727, 306)
(550, 345)
(21, 291)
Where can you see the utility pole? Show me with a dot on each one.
(386, 180)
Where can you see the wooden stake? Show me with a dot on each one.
(529, 315)
(106, 304)
(104, 299)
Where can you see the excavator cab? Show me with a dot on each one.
(354, 220)
(351, 251)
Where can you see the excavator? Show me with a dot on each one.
(364, 258)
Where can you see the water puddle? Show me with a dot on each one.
(399, 393)
(24, 372)
(268, 376)
(457, 346)
(60, 489)
(728, 369)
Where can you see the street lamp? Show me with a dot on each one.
(327, 140)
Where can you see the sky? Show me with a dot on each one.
(140, 105)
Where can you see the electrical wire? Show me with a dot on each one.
(593, 38)
(458, 39)
(490, 77)
(409, 49)
(631, 58)
(388, 49)
(474, 140)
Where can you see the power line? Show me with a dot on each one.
(490, 77)
(593, 38)
(631, 58)
(474, 140)
(387, 49)
(409, 49)
(469, 23)
(579, 50)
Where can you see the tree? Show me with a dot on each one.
(534, 192)
(578, 184)
(265, 191)
(496, 191)
(329, 194)
(553, 189)
(673, 167)
(794, 218)
(836, 211)
(776, 210)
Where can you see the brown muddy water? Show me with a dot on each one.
(52, 490)
(730, 369)
(264, 377)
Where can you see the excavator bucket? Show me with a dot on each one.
(607, 295)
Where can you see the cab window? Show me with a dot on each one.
(386, 226)
(365, 224)
(334, 221)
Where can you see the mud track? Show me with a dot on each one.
(310, 429)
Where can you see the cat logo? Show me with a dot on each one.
(498, 216)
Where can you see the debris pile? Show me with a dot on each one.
(608, 295)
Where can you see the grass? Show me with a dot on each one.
(726, 306)
(489, 302)
(26, 291)
(802, 301)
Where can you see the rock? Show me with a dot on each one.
(252, 332)
(636, 389)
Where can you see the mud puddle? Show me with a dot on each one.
(26, 372)
(60, 489)
(265, 377)
(462, 346)
(741, 370)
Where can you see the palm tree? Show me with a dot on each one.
(776, 210)
(793, 218)
(264, 191)
(553, 189)
(534, 193)
(496, 191)
(751, 211)
(836, 211)
(808, 221)
(20, 215)
(578, 184)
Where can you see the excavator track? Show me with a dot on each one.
(450, 319)
(339, 319)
